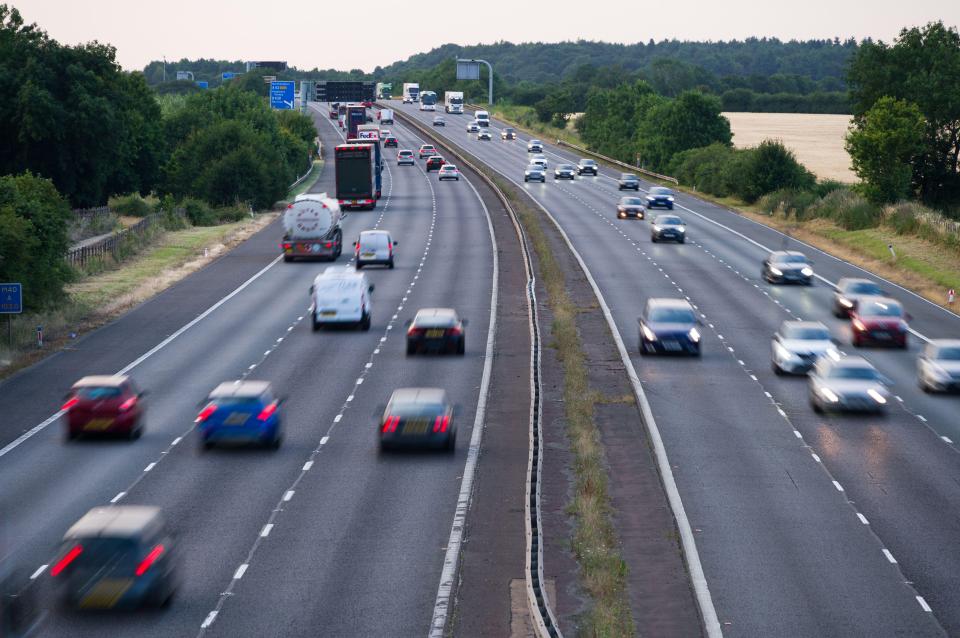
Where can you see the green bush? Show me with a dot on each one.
(767, 168)
(902, 218)
(707, 169)
(199, 212)
(131, 205)
(235, 213)
(788, 202)
(825, 186)
(848, 209)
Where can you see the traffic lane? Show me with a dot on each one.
(220, 491)
(793, 543)
(371, 563)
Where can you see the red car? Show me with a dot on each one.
(389, 141)
(879, 320)
(104, 405)
(434, 162)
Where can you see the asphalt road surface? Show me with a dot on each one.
(805, 524)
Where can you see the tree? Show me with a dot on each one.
(922, 66)
(884, 144)
(690, 121)
(769, 167)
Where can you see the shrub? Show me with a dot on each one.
(199, 212)
(823, 187)
(848, 209)
(788, 202)
(706, 169)
(131, 205)
(769, 167)
(235, 213)
(902, 218)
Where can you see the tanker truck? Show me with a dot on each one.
(311, 228)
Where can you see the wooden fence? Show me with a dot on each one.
(78, 257)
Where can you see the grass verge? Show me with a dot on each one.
(99, 298)
(525, 118)
(315, 171)
(595, 544)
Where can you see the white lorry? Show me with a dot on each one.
(482, 117)
(453, 102)
(411, 92)
(385, 116)
(311, 228)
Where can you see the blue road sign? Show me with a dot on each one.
(228, 75)
(11, 299)
(281, 94)
(203, 84)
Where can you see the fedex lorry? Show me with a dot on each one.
(453, 102)
(411, 92)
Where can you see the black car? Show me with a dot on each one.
(660, 197)
(436, 330)
(628, 181)
(787, 267)
(587, 167)
(390, 140)
(439, 121)
(849, 292)
(434, 162)
(669, 326)
(418, 417)
(668, 228)
(565, 171)
(631, 207)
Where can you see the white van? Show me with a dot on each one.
(341, 295)
(482, 117)
(374, 247)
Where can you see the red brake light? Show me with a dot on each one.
(441, 422)
(68, 558)
(205, 413)
(286, 245)
(149, 560)
(129, 403)
(456, 331)
(267, 412)
(72, 401)
(390, 425)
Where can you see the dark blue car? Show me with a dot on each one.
(660, 197)
(241, 412)
(669, 326)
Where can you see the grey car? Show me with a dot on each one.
(668, 228)
(565, 171)
(535, 173)
(484, 135)
(534, 146)
(787, 267)
(938, 366)
(628, 181)
(798, 345)
(847, 384)
(587, 167)
(631, 207)
(849, 292)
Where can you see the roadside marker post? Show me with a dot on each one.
(951, 297)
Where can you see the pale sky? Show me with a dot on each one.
(344, 35)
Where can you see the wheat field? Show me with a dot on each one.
(816, 139)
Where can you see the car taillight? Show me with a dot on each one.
(329, 244)
(68, 558)
(286, 245)
(150, 559)
(414, 332)
(205, 413)
(267, 412)
(72, 401)
(455, 331)
(390, 425)
(441, 423)
(129, 403)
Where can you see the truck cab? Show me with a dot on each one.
(483, 118)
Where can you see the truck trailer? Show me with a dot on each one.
(311, 228)
(356, 178)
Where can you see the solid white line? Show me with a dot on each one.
(288, 495)
(209, 620)
(886, 552)
(39, 571)
(838, 486)
(923, 604)
(863, 519)
(266, 530)
(177, 440)
(237, 575)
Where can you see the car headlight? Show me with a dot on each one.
(681, 229)
(846, 303)
(938, 373)
(879, 398)
(650, 198)
(694, 335)
(829, 395)
(781, 352)
(859, 325)
(833, 353)
(776, 271)
(656, 228)
(670, 199)
(806, 271)
(648, 334)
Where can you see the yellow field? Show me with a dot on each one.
(817, 140)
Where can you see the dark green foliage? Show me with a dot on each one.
(788, 202)
(198, 212)
(132, 205)
(690, 121)
(767, 168)
(848, 209)
(34, 221)
(707, 169)
(613, 117)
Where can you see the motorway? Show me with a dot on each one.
(805, 525)
(323, 534)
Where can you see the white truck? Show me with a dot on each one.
(411, 92)
(311, 228)
(482, 117)
(453, 102)
(385, 116)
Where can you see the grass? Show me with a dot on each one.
(524, 117)
(315, 171)
(595, 544)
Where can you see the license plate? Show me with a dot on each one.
(368, 254)
(328, 313)
(671, 345)
(433, 334)
(236, 418)
(415, 427)
(881, 335)
(98, 424)
(106, 593)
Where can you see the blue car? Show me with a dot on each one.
(241, 412)
(660, 197)
(669, 326)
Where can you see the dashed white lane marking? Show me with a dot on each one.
(307, 465)
(237, 575)
(816, 458)
(863, 519)
(288, 495)
(150, 467)
(337, 418)
(886, 552)
(118, 497)
(922, 418)
(209, 620)
(946, 438)
(923, 604)
(39, 571)
(266, 530)
(838, 486)
(350, 398)
(797, 434)
(177, 440)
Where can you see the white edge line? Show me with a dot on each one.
(441, 607)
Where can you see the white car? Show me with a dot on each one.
(849, 384)
(534, 146)
(541, 160)
(798, 344)
(341, 295)
(938, 366)
(374, 247)
(484, 135)
(473, 127)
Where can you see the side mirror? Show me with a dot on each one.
(370, 288)
(408, 322)
(354, 243)
(465, 322)
(394, 243)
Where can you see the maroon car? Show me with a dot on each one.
(104, 405)
(434, 162)
(879, 320)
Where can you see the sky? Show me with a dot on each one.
(327, 34)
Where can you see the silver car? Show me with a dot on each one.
(541, 160)
(534, 146)
(534, 173)
(848, 384)
(473, 127)
(938, 366)
(797, 346)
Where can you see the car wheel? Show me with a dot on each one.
(358, 265)
(451, 446)
(525, 179)
(390, 265)
(923, 385)
(314, 324)
(682, 240)
(287, 258)
(411, 349)
(205, 445)
(462, 347)
(275, 443)
(816, 406)
(856, 341)
(777, 370)
(669, 206)
(135, 433)
(654, 239)
(69, 435)
(365, 323)
(837, 312)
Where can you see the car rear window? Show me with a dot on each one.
(632, 201)
(97, 552)
(97, 393)
(671, 315)
(414, 409)
(377, 240)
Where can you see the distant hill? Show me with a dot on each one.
(545, 62)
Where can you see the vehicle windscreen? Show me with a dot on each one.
(628, 177)
(864, 288)
(434, 321)
(631, 201)
(588, 162)
(668, 221)
(508, 130)
(790, 259)
(880, 309)
(534, 167)
(91, 393)
(849, 372)
(948, 354)
(237, 402)
(671, 315)
(565, 167)
(661, 191)
(813, 334)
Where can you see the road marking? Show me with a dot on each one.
(337, 418)
(923, 604)
(816, 458)
(177, 440)
(863, 519)
(118, 497)
(922, 418)
(266, 530)
(886, 552)
(323, 441)
(39, 571)
(307, 465)
(209, 620)
(838, 486)
(150, 467)
(946, 438)
(797, 434)
(288, 495)
(237, 575)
